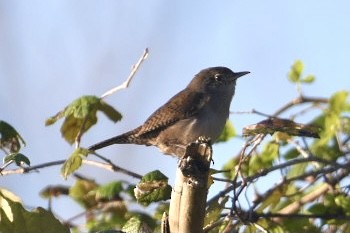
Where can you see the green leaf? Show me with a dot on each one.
(344, 202)
(270, 152)
(52, 120)
(331, 126)
(109, 231)
(231, 167)
(345, 125)
(332, 121)
(335, 204)
(213, 211)
(291, 154)
(139, 224)
(109, 111)
(18, 158)
(81, 115)
(228, 132)
(308, 79)
(329, 151)
(318, 208)
(130, 191)
(153, 187)
(297, 170)
(104, 225)
(299, 225)
(296, 71)
(273, 199)
(84, 193)
(161, 209)
(109, 191)
(264, 159)
(74, 162)
(338, 102)
(14, 218)
(73, 127)
(155, 175)
(10, 138)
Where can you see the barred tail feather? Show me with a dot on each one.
(126, 138)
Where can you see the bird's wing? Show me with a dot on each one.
(183, 105)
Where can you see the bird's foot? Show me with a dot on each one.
(197, 157)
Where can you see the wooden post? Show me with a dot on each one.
(189, 195)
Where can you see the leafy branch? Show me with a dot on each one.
(289, 176)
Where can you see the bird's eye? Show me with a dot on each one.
(218, 77)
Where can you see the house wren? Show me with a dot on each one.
(201, 109)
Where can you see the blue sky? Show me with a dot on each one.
(52, 52)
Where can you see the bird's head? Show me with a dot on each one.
(216, 79)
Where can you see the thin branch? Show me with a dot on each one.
(24, 170)
(308, 198)
(300, 100)
(287, 164)
(255, 141)
(253, 111)
(112, 167)
(261, 113)
(278, 167)
(108, 166)
(213, 225)
(256, 216)
(8, 163)
(321, 216)
(117, 168)
(334, 167)
(96, 209)
(79, 215)
(131, 75)
(342, 173)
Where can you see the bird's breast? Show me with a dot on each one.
(209, 124)
(209, 121)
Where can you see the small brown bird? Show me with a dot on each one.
(201, 109)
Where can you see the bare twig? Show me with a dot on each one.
(292, 209)
(308, 216)
(300, 100)
(8, 163)
(290, 163)
(112, 167)
(24, 170)
(298, 215)
(295, 206)
(334, 167)
(255, 141)
(213, 225)
(342, 169)
(286, 164)
(108, 166)
(79, 215)
(131, 75)
(253, 111)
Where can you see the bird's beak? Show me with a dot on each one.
(240, 74)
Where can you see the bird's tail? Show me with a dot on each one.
(126, 138)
